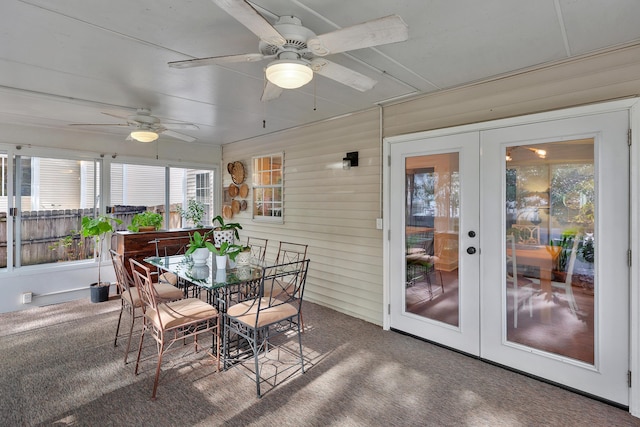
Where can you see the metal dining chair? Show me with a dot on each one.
(260, 318)
(258, 249)
(130, 297)
(174, 321)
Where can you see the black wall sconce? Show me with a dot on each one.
(350, 161)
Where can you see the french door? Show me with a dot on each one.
(510, 244)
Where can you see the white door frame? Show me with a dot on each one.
(633, 106)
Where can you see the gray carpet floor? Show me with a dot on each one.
(59, 368)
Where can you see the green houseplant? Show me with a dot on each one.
(145, 221)
(97, 228)
(224, 232)
(225, 250)
(193, 213)
(199, 246)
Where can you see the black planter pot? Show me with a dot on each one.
(99, 293)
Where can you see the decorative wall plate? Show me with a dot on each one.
(244, 191)
(227, 212)
(243, 205)
(233, 190)
(237, 174)
(235, 206)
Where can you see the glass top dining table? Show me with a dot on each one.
(206, 275)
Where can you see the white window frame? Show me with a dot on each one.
(277, 219)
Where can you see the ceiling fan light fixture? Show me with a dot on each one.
(289, 73)
(144, 135)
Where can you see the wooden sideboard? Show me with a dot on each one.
(143, 244)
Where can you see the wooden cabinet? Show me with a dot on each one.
(143, 244)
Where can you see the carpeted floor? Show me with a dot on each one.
(59, 367)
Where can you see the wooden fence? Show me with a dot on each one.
(53, 235)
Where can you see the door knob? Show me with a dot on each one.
(471, 250)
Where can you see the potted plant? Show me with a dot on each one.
(243, 257)
(226, 250)
(224, 232)
(146, 221)
(199, 247)
(193, 213)
(97, 228)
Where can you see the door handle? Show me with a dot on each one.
(471, 250)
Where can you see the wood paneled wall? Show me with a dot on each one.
(334, 211)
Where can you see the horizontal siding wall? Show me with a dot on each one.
(332, 210)
(591, 79)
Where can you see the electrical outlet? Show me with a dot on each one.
(379, 224)
(26, 297)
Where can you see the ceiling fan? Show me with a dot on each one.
(297, 52)
(147, 127)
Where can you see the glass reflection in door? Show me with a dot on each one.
(550, 247)
(431, 236)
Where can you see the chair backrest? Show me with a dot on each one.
(287, 281)
(511, 260)
(258, 248)
(144, 284)
(572, 261)
(123, 279)
(166, 246)
(291, 252)
(528, 234)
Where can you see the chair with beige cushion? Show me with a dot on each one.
(130, 298)
(173, 321)
(259, 319)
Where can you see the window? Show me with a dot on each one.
(54, 196)
(55, 193)
(267, 188)
(203, 194)
(25, 171)
(142, 187)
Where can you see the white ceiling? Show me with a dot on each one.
(64, 62)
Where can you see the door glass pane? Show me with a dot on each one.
(550, 247)
(431, 236)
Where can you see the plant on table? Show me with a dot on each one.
(224, 232)
(198, 240)
(226, 248)
(97, 228)
(145, 219)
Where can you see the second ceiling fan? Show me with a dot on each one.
(297, 52)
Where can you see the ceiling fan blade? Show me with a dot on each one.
(270, 91)
(180, 126)
(389, 29)
(343, 75)
(99, 124)
(177, 135)
(116, 116)
(244, 13)
(215, 60)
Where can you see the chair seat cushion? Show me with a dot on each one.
(168, 277)
(165, 291)
(245, 313)
(178, 313)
